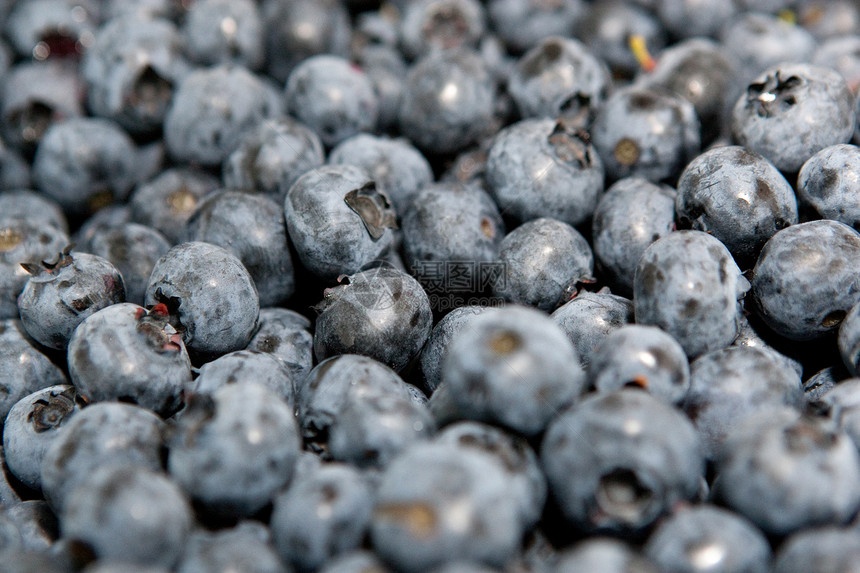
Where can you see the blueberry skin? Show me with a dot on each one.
(272, 156)
(338, 220)
(589, 317)
(708, 538)
(540, 168)
(245, 547)
(806, 473)
(354, 562)
(792, 111)
(607, 28)
(512, 453)
(438, 118)
(215, 309)
(632, 214)
(9, 495)
(124, 353)
(688, 284)
(130, 71)
(285, 334)
(686, 18)
(514, 367)
(106, 218)
(805, 280)
(60, 296)
(429, 26)
(242, 366)
(37, 524)
(386, 68)
(167, 201)
(14, 169)
(544, 261)
(559, 77)
(100, 435)
(737, 196)
(521, 24)
(382, 313)
(224, 31)
(822, 381)
(622, 484)
(232, 451)
(133, 249)
(840, 404)
(251, 227)
(315, 95)
(211, 111)
(449, 227)
(396, 165)
(321, 515)
(435, 349)
(34, 207)
(848, 340)
(603, 554)
(31, 427)
(51, 28)
(818, 549)
(131, 513)
(24, 369)
(840, 53)
(828, 182)
(438, 503)
(624, 135)
(640, 356)
(86, 163)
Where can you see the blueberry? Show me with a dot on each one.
(428, 26)
(23, 242)
(31, 427)
(222, 31)
(52, 28)
(100, 436)
(438, 503)
(212, 109)
(132, 513)
(9, 493)
(640, 357)
(354, 562)
(232, 451)
(749, 338)
(826, 20)
(436, 348)
(689, 18)
(338, 220)
(804, 281)
(33, 206)
(822, 381)
(541, 168)
(840, 404)
(842, 53)
(737, 196)
(24, 369)
(244, 366)
(545, 262)
(822, 548)
(849, 340)
(792, 111)
(251, 227)
(589, 317)
(216, 309)
(628, 140)
(60, 295)
(708, 538)
(448, 101)
(559, 77)
(603, 554)
(316, 94)
(688, 284)
(827, 183)
(808, 473)
(321, 515)
(632, 214)
(272, 156)
(621, 486)
(246, 547)
(85, 164)
(37, 524)
(131, 69)
(14, 169)
(386, 69)
(608, 27)
(285, 334)
(396, 165)
(514, 367)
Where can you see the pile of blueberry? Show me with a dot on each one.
(430, 286)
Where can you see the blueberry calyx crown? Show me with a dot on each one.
(64, 259)
(374, 208)
(48, 413)
(774, 94)
(571, 144)
(158, 328)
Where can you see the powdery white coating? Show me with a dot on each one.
(426, 25)
(634, 457)
(243, 366)
(521, 23)
(512, 366)
(809, 472)
(792, 111)
(603, 554)
(688, 284)
(632, 214)
(539, 168)
(434, 350)
(286, 334)
(545, 262)
(33, 206)
(606, 28)
(829, 182)
(210, 293)
(807, 278)
(690, 19)
(842, 405)
(589, 317)
(130, 513)
(824, 548)
(438, 503)
(234, 450)
(737, 196)
(31, 243)
(245, 547)
(222, 31)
